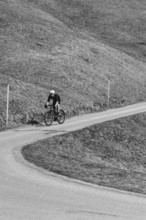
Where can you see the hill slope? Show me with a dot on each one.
(109, 154)
(121, 24)
(64, 45)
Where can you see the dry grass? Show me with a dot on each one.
(70, 46)
(120, 24)
(109, 154)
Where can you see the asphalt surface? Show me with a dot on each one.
(29, 193)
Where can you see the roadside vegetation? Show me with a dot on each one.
(73, 47)
(109, 154)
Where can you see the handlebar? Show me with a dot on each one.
(46, 106)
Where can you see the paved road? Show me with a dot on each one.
(28, 193)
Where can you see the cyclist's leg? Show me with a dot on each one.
(54, 108)
(57, 107)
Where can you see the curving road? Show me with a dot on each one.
(29, 193)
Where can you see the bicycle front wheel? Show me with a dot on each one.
(49, 118)
(61, 117)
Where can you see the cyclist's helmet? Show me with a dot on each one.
(52, 92)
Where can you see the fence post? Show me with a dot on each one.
(7, 110)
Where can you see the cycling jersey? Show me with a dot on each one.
(55, 98)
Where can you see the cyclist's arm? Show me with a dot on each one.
(57, 99)
(49, 97)
(48, 101)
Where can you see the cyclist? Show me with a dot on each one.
(54, 99)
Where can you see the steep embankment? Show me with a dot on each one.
(43, 46)
(109, 154)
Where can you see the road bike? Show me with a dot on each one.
(52, 115)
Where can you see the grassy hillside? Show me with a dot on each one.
(121, 24)
(109, 154)
(73, 47)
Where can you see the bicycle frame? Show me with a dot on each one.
(50, 108)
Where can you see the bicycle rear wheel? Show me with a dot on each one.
(49, 118)
(61, 117)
